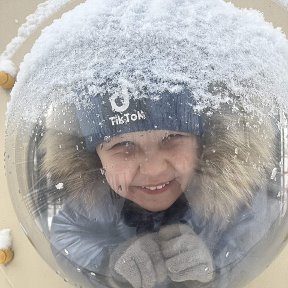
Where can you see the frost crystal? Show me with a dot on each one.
(59, 186)
(138, 48)
(274, 173)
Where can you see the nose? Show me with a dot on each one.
(154, 164)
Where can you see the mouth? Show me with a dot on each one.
(157, 189)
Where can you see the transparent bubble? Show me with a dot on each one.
(208, 128)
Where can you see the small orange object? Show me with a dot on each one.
(6, 255)
(6, 80)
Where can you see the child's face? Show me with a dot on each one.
(151, 168)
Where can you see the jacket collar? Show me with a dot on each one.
(146, 221)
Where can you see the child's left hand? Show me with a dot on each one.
(185, 254)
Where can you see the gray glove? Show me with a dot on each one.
(139, 261)
(186, 255)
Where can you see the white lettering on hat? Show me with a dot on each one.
(126, 118)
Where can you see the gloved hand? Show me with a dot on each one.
(139, 261)
(185, 254)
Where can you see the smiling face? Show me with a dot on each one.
(150, 168)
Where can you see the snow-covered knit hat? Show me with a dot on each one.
(172, 57)
(111, 116)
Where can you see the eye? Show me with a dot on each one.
(124, 149)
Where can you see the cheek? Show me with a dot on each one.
(119, 176)
(186, 163)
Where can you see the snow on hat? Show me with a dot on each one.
(152, 48)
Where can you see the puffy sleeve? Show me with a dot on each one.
(82, 245)
(239, 250)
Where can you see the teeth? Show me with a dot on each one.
(155, 187)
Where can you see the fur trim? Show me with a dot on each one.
(238, 153)
(238, 150)
(66, 161)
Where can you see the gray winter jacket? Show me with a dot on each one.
(83, 240)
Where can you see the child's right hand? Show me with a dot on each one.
(139, 261)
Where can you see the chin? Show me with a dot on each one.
(156, 207)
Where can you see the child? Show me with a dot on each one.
(150, 223)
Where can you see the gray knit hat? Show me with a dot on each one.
(108, 116)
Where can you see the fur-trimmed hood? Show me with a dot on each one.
(237, 156)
